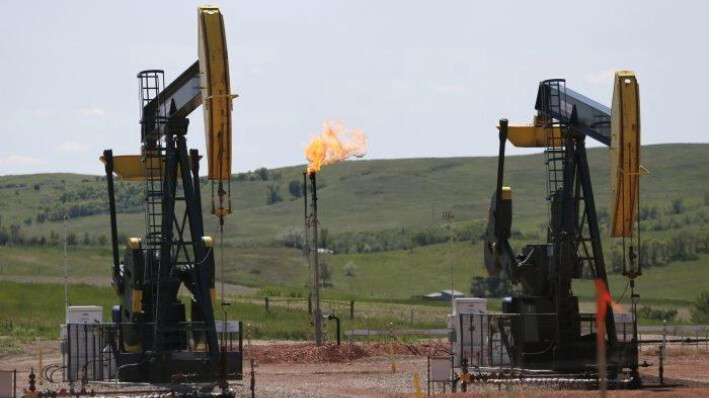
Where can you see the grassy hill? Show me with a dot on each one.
(359, 195)
(375, 199)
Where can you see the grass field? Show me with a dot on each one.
(357, 196)
(35, 310)
(371, 194)
(392, 275)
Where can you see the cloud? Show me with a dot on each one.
(92, 111)
(603, 77)
(20, 160)
(72, 147)
(451, 88)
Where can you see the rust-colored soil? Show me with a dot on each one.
(354, 370)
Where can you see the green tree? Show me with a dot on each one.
(700, 310)
(262, 173)
(677, 206)
(273, 195)
(71, 239)
(657, 314)
(295, 188)
(86, 241)
(681, 247)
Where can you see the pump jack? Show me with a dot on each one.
(546, 325)
(156, 342)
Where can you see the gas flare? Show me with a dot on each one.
(333, 145)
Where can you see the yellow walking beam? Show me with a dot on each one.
(216, 92)
(625, 153)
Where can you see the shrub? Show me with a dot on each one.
(700, 309)
(657, 314)
(273, 195)
(295, 188)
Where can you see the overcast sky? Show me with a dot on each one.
(420, 78)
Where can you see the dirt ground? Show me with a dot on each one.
(356, 370)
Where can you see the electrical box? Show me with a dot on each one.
(469, 330)
(469, 305)
(81, 340)
(84, 314)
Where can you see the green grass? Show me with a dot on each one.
(354, 196)
(375, 194)
(673, 285)
(30, 311)
(393, 276)
(35, 310)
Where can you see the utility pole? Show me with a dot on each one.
(448, 217)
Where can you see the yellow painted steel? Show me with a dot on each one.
(134, 243)
(132, 347)
(533, 136)
(216, 100)
(137, 301)
(506, 193)
(625, 153)
(132, 167)
(216, 92)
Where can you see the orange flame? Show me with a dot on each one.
(333, 145)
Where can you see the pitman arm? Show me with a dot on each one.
(498, 255)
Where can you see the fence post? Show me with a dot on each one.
(266, 302)
(351, 309)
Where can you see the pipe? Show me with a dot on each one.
(306, 241)
(317, 315)
(337, 325)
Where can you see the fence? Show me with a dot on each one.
(86, 352)
(301, 303)
(400, 313)
(488, 339)
(89, 350)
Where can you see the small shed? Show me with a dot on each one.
(444, 295)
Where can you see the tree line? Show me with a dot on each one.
(13, 235)
(402, 238)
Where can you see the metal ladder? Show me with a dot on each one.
(153, 156)
(553, 95)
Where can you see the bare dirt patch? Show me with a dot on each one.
(286, 369)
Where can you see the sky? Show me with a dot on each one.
(420, 78)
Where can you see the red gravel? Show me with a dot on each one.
(309, 353)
